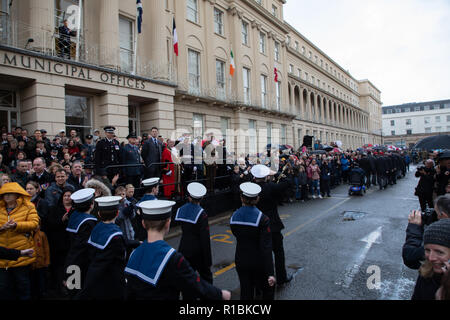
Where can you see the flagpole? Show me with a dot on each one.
(80, 11)
(135, 44)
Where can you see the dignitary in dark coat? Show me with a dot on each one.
(155, 271)
(151, 154)
(80, 227)
(254, 263)
(195, 240)
(64, 39)
(130, 155)
(381, 170)
(105, 279)
(107, 153)
(268, 204)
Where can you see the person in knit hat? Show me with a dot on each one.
(436, 242)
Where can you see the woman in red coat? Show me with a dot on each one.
(168, 172)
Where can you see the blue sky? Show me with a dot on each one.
(401, 46)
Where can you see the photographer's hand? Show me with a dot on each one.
(415, 217)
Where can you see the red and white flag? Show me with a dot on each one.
(276, 74)
(175, 38)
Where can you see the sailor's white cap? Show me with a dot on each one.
(150, 182)
(196, 190)
(104, 202)
(260, 171)
(156, 209)
(250, 190)
(82, 195)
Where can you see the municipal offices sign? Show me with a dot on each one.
(77, 71)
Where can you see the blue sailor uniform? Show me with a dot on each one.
(195, 242)
(105, 279)
(155, 271)
(79, 226)
(253, 257)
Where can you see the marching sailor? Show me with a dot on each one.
(268, 204)
(254, 262)
(80, 226)
(105, 279)
(195, 243)
(155, 271)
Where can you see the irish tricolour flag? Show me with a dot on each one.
(232, 64)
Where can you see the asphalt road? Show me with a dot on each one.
(333, 257)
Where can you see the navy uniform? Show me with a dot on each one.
(268, 204)
(148, 184)
(105, 279)
(107, 153)
(130, 154)
(155, 271)
(80, 226)
(253, 258)
(195, 242)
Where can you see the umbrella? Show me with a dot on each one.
(337, 150)
(434, 142)
(319, 152)
(327, 148)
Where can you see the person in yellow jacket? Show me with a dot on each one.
(18, 220)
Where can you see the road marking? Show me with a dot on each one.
(231, 266)
(353, 268)
(315, 218)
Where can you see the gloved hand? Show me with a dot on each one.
(169, 173)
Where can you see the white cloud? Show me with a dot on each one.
(402, 46)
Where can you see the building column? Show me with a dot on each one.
(112, 110)
(43, 107)
(158, 114)
(109, 33)
(42, 21)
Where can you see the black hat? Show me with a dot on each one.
(55, 150)
(132, 135)
(89, 136)
(444, 155)
(438, 233)
(110, 129)
(43, 131)
(145, 134)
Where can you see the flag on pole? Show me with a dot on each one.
(175, 38)
(140, 11)
(276, 74)
(232, 64)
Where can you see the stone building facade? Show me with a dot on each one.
(283, 88)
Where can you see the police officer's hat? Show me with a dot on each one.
(132, 135)
(196, 190)
(83, 195)
(156, 209)
(250, 190)
(89, 136)
(110, 129)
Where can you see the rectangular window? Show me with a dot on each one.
(409, 132)
(245, 33)
(438, 129)
(277, 51)
(194, 71)
(448, 118)
(262, 43)
(427, 130)
(408, 122)
(278, 95)
(126, 44)
(192, 10)
(263, 91)
(224, 126)
(392, 133)
(218, 22)
(269, 133)
(198, 125)
(438, 119)
(78, 114)
(426, 120)
(220, 79)
(392, 123)
(246, 81)
(252, 137)
(283, 134)
(274, 11)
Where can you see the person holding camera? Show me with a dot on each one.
(424, 189)
(413, 251)
(443, 173)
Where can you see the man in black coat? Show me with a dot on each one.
(268, 204)
(364, 164)
(41, 175)
(380, 171)
(64, 39)
(424, 189)
(130, 154)
(107, 153)
(151, 154)
(77, 178)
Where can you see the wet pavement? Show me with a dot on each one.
(338, 248)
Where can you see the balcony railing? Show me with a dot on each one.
(17, 34)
